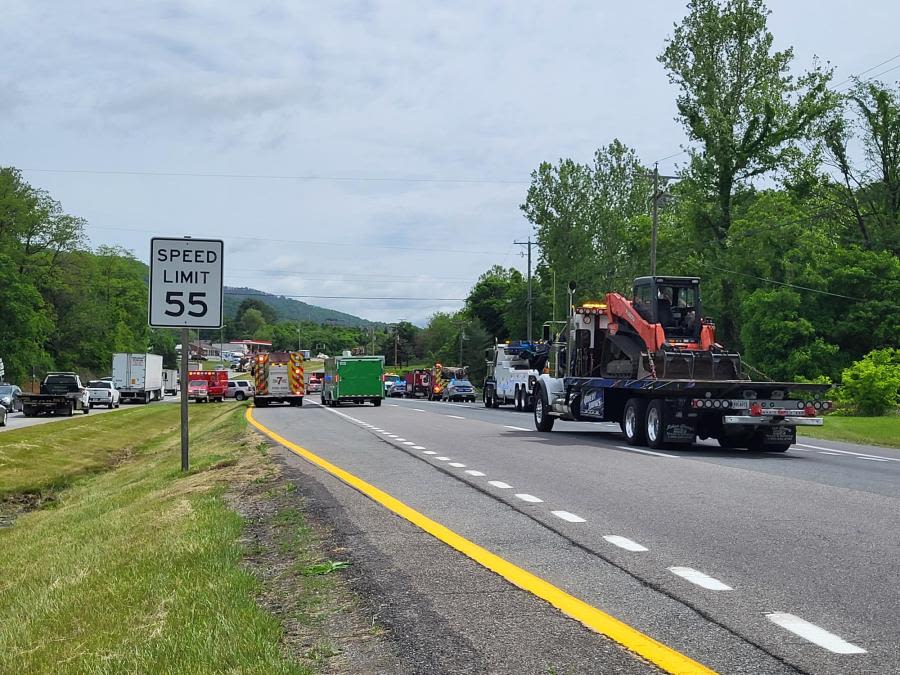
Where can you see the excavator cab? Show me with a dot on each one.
(672, 302)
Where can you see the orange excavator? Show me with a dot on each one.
(658, 333)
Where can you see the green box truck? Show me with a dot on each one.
(353, 379)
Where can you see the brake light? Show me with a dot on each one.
(437, 390)
(755, 409)
(809, 411)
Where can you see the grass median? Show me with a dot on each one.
(884, 431)
(130, 565)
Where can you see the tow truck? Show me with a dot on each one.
(512, 372)
(652, 364)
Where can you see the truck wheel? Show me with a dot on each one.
(86, 410)
(543, 421)
(239, 396)
(488, 396)
(376, 402)
(655, 428)
(300, 402)
(71, 409)
(633, 421)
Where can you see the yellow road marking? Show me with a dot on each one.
(632, 639)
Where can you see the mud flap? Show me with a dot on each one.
(777, 434)
(677, 427)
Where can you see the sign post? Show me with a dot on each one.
(186, 291)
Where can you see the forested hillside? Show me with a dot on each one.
(288, 309)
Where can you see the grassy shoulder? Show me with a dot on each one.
(136, 568)
(883, 431)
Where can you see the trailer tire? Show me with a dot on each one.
(655, 427)
(376, 402)
(543, 421)
(633, 421)
(517, 400)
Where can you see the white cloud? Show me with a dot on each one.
(365, 89)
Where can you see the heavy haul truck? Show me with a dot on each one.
(653, 365)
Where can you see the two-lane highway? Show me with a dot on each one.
(747, 562)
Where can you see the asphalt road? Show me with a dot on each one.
(746, 562)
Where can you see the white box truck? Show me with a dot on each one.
(138, 377)
(170, 382)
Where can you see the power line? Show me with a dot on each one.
(309, 177)
(330, 276)
(343, 297)
(784, 283)
(867, 70)
(340, 244)
(674, 154)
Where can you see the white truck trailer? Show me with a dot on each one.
(138, 377)
(170, 381)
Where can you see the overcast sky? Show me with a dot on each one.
(97, 98)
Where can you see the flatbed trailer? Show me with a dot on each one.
(738, 413)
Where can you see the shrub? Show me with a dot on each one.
(872, 384)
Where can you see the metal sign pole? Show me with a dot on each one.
(185, 351)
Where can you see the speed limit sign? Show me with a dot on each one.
(186, 283)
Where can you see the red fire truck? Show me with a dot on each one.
(216, 382)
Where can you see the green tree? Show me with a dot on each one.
(869, 195)
(738, 100)
(252, 321)
(590, 220)
(872, 384)
(267, 312)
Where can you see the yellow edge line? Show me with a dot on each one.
(657, 653)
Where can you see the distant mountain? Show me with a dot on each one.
(289, 309)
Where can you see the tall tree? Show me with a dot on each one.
(870, 194)
(737, 99)
(590, 219)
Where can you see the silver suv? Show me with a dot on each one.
(239, 389)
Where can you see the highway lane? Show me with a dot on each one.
(807, 547)
(857, 467)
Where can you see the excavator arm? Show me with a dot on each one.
(619, 310)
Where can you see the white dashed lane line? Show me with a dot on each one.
(473, 472)
(700, 579)
(569, 517)
(500, 484)
(456, 417)
(875, 459)
(443, 459)
(813, 633)
(507, 426)
(646, 452)
(525, 497)
(408, 443)
(624, 542)
(418, 447)
(430, 452)
(458, 465)
(833, 454)
(861, 455)
(417, 409)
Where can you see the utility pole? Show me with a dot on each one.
(655, 209)
(655, 219)
(529, 244)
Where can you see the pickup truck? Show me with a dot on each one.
(61, 393)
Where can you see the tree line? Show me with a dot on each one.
(786, 203)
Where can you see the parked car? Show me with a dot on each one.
(101, 392)
(458, 390)
(398, 389)
(239, 389)
(9, 397)
(198, 390)
(389, 380)
(2, 415)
